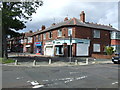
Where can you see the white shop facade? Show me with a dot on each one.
(62, 47)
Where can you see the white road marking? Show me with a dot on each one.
(38, 86)
(46, 80)
(73, 72)
(19, 78)
(114, 83)
(34, 83)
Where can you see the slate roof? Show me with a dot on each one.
(76, 22)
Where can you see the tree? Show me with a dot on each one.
(14, 17)
(109, 50)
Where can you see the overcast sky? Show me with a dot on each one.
(56, 10)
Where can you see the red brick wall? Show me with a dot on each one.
(87, 33)
(115, 42)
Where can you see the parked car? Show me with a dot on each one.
(116, 59)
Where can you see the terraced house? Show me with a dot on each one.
(76, 35)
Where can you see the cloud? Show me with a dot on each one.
(57, 10)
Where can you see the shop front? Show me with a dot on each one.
(49, 48)
(38, 47)
(77, 47)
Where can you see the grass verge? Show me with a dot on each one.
(3, 60)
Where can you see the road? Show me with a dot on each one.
(89, 76)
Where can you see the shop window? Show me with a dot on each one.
(96, 47)
(96, 34)
(44, 36)
(59, 33)
(59, 50)
(69, 31)
(50, 34)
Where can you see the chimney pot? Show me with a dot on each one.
(43, 27)
(82, 16)
(53, 24)
(66, 19)
(30, 31)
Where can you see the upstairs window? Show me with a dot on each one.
(38, 37)
(44, 36)
(69, 31)
(96, 34)
(34, 38)
(59, 33)
(29, 39)
(50, 34)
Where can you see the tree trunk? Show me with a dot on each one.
(4, 36)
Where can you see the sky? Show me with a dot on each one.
(56, 10)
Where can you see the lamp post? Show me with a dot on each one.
(70, 48)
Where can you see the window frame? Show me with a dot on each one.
(96, 32)
(60, 33)
(70, 29)
(39, 37)
(44, 36)
(50, 35)
(95, 48)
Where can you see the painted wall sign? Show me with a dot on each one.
(38, 44)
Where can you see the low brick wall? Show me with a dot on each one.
(101, 56)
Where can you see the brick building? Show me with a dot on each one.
(27, 42)
(115, 41)
(87, 38)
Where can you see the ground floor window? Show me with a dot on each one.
(59, 49)
(96, 47)
(38, 49)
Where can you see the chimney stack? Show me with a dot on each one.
(82, 16)
(30, 31)
(53, 24)
(43, 27)
(66, 19)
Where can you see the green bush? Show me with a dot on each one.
(109, 50)
(2, 60)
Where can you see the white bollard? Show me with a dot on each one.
(34, 62)
(86, 60)
(76, 62)
(16, 62)
(49, 61)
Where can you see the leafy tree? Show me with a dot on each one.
(109, 50)
(14, 17)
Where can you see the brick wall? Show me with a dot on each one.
(115, 42)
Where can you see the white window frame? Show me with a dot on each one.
(29, 39)
(96, 47)
(51, 34)
(39, 38)
(96, 33)
(60, 33)
(44, 36)
(69, 30)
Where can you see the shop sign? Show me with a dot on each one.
(38, 44)
(49, 43)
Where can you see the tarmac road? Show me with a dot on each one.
(89, 76)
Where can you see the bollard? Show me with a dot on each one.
(76, 62)
(16, 62)
(86, 60)
(34, 62)
(49, 61)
